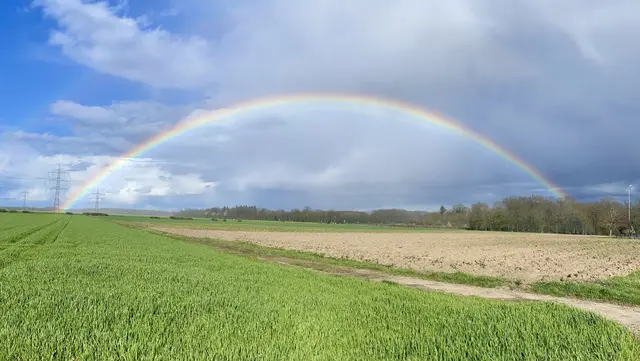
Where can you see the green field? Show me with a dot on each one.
(274, 226)
(85, 288)
(621, 289)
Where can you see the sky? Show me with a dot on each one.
(84, 82)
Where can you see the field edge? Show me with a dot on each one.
(621, 290)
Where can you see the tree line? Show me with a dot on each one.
(512, 214)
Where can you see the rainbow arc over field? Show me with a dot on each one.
(352, 101)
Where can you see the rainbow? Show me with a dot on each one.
(360, 101)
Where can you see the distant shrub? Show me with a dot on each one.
(404, 225)
(214, 219)
(2, 210)
(181, 218)
(95, 214)
(68, 212)
(27, 212)
(154, 217)
(239, 220)
(224, 220)
(13, 211)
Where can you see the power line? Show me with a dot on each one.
(9, 174)
(97, 198)
(23, 177)
(58, 182)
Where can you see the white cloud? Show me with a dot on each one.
(138, 182)
(23, 168)
(93, 115)
(134, 121)
(93, 35)
(282, 44)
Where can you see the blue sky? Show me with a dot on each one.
(85, 81)
(35, 75)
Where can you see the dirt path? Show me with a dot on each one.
(625, 315)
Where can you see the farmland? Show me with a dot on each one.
(77, 287)
(272, 226)
(519, 256)
(596, 268)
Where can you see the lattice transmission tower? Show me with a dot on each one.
(24, 195)
(97, 197)
(58, 182)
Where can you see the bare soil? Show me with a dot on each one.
(518, 256)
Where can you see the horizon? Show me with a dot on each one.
(622, 200)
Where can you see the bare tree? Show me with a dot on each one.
(479, 216)
(611, 212)
(524, 214)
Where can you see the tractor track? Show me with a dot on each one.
(33, 238)
(11, 227)
(61, 230)
(22, 235)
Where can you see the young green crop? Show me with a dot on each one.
(621, 289)
(87, 289)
